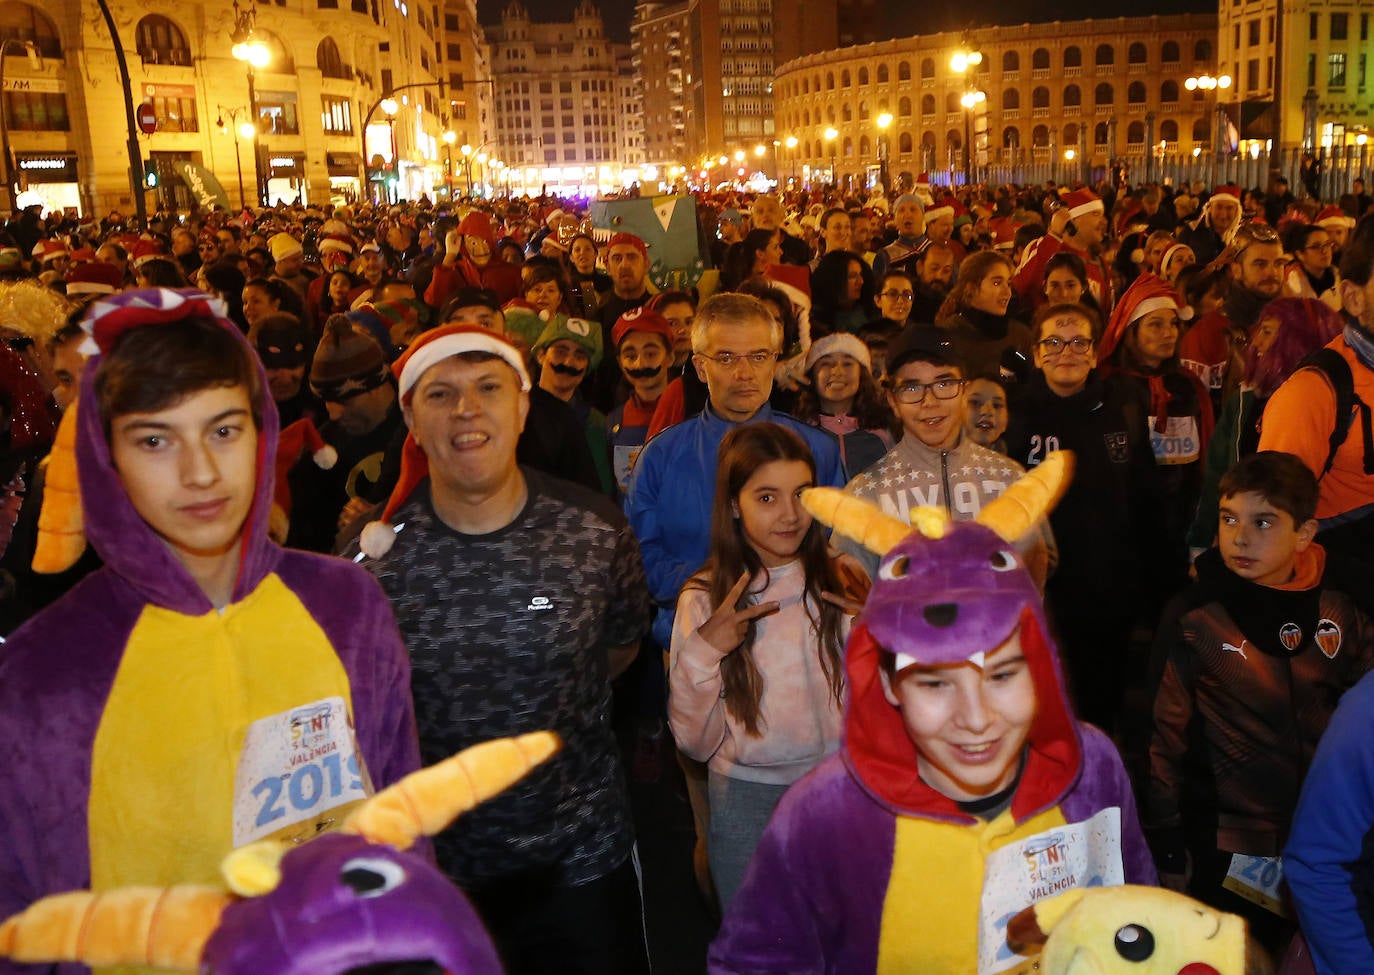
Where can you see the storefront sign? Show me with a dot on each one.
(46, 168)
(32, 84)
(169, 91)
(286, 166)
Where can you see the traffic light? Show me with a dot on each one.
(149, 174)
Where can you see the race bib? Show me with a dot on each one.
(1180, 442)
(1086, 854)
(1258, 880)
(298, 774)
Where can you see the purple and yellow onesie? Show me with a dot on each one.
(864, 867)
(146, 733)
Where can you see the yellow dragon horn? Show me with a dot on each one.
(61, 529)
(161, 927)
(1031, 498)
(427, 801)
(855, 519)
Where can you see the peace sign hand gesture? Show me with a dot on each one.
(726, 628)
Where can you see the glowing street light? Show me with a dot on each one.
(830, 136)
(1205, 82)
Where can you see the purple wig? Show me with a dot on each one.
(1305, 325)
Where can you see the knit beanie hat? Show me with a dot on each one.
(347, 362)
(586, 335)
(283, 246)
(428, 349)
(1146, 294)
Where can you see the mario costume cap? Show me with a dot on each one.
(641, 319)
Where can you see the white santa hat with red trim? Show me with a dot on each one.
(428, 349)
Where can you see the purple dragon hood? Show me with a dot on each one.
(126, 543)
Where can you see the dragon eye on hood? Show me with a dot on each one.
(1134, 942)
(1002, 561)
(896, 569)
(372, 877)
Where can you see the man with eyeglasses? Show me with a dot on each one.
(1111, 505)
(1212, 349)
(935, 464)
(735, 345)
(1312, 273)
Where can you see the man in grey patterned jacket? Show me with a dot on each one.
(519, 597)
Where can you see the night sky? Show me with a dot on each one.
(915, 18)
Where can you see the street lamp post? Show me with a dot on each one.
(450, 137)
(1206, 82)
(884, 123)
(830, 136)
(390, 107)
(253, 52)
(244, 129)
(466, 150)
(960, 63)
(791, 143)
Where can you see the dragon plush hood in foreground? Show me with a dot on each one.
(949, 592)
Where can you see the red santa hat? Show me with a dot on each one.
(428, 349)
(1081, 202)
(335, 243)
(94, 278)
(47, 250)
(1146, 294)
(1334, 216)
(1003, 233)
(145, 251)
(1226, 191)
(923, 182)
(292, 441)
(944, 208)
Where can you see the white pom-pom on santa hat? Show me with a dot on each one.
(325, 457)
(376, 539)
(1138, 255)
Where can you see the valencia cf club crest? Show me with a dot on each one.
(1118, 447)
(1328, 638)
(1290, 635)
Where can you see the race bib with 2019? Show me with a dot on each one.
(299, 773)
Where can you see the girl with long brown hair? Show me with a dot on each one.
(981, 308)
(756, 676)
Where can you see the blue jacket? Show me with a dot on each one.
(1329, 861)
(671, 492)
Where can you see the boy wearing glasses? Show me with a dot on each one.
(1111, 505)
(935, 463)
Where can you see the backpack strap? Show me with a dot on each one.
(1337, 371)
